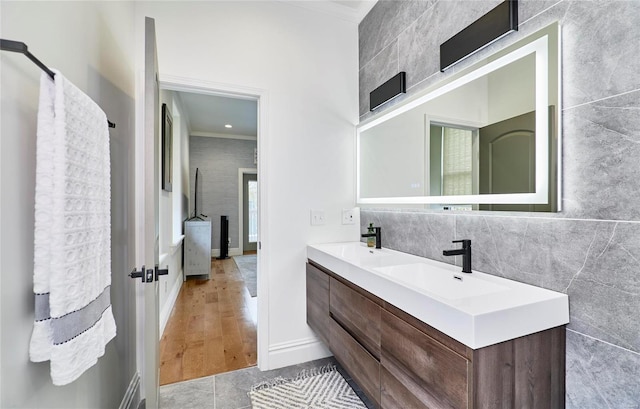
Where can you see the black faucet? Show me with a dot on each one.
(465, 251)
(377, 235)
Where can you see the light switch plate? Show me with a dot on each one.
(317, 217)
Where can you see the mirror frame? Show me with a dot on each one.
(542, 44)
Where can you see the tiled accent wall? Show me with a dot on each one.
(219, 160)
(590, 250)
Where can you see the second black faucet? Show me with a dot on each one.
(465, 252)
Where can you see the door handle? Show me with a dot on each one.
(137, 274)
(145, 275)
(161, 272)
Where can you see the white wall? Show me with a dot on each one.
(90, 43)
(308, 64)
(173, 210)
(513, 90)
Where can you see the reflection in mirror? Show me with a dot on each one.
(484, 140)
(453, 160)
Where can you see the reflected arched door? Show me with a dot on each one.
(507, 159)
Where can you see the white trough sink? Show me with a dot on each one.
(476, 309)
(439, 282)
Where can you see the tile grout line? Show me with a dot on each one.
(601, 99)
(603, 341)
(377, 54)
(397, 38)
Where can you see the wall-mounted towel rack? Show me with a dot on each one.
(20, 47)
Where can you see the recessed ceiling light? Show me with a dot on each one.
(228, 126)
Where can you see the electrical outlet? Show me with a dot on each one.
(317, 217)
(348, 216)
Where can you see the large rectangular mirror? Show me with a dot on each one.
(487, 138)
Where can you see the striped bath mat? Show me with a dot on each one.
(321, 388)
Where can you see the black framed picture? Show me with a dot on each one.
(167, 148)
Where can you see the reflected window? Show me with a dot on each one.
(452, 160)
(457, 169)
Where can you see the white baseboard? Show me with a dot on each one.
(296, 352)
(232, 252)
(171, 301)
(129, 400)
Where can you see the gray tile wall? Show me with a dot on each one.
(219, 160)
(591, 250)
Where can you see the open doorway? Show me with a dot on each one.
(212, 319)
(247, 260)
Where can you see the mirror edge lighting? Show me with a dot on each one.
(545, 43)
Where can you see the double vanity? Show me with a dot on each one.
(417, 333)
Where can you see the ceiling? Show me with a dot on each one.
(207, 115)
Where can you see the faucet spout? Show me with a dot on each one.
(465, 252)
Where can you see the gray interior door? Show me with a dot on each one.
(249, 211)
(150, 201)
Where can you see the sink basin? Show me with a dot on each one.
(479, 310)
(362, 255)
(440, 282)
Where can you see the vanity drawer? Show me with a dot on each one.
(363, 368)
(415, 364)
(318, 302)
(359, 315)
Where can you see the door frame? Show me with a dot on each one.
(261, 96)
(241, 173)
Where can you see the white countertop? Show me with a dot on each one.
(476, 309)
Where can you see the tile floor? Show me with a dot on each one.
(230, 390)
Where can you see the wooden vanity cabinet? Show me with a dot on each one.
(401, 362)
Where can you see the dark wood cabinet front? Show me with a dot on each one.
(427, 369)
(357, 314)
(362, 366)
(318, 302)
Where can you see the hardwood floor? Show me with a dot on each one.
(212, 328)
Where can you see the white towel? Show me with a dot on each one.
(72, 241)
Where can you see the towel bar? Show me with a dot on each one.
(20, 47)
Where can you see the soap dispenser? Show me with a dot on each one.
(371, 239)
